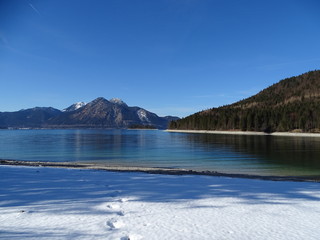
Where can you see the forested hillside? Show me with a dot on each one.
(293, 104)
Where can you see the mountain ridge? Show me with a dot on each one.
(292, 104)
(99, 113)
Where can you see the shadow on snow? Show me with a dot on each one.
(32, 186)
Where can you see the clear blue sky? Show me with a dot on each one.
(172, 57)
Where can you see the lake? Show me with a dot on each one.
(245, 154)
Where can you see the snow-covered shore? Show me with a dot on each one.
(286, 134)
(59, 203)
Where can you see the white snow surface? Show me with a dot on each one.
(55, 203)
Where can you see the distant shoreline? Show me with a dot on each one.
(155, 170)
(286, 134)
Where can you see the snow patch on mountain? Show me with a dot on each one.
(74, 107)
(142, 114)
(118, 101)
(79, 105)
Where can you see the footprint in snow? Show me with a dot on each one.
(115, 223)
(114, 193)
(113, 206)
(131, 237)
(121, 213)
(122, 200)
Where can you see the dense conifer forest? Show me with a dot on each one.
(292, 104)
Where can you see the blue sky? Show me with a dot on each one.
(172, 57)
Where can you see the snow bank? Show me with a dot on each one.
(50, 203)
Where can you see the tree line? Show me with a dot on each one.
(292, 104)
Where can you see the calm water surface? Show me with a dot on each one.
(265, 155)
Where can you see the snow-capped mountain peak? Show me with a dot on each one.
(74, 106)
(117, 101)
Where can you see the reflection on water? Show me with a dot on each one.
(266, 155)
(269, 154)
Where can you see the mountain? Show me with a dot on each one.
(108, 114)
(292, 104)
(100, 113)
(29, 118)
(171, 118)
(74, 107)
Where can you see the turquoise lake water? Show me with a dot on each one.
(264, 155)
